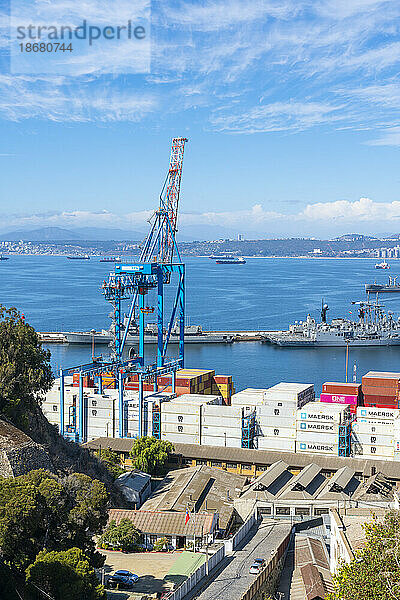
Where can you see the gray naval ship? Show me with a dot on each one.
(374, 327)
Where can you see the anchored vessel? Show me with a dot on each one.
(391, 286)
(234, 260)
(374, 327)
(111, 259)
(79, 257)
(382, 265)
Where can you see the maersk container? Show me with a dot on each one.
(180, 428)
(228, 442)
(373, 439)
(221, 431)
(317, 438)
(315, 448)
(276, 444)
(316, 426)
(271, 431)
(372, 412)
(322, 412)
(373, 426)
(288, 422)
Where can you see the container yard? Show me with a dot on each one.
(202, 410)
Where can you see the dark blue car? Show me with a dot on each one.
(122, 580)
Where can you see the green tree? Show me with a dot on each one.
(374, 574)
(112, 461)
(123, 536)
(24, 366)
(149, 454)
(42, 511)
(65, 575)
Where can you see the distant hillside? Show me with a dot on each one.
(59, 234)
(41, 235)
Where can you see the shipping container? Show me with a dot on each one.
(223, 411)
(333, 387)
(373, 439)
(180, 428)
(373, 426)
(179, 438)
(317, 426)
(222, 431)
(369, 390)
(317, 437)
(339, 399)
(377, 413)
(313, 448)
(188, 419)
(323, 412)
(265, 421)
(284, 432)
(281, 412)
(375, 451)
(381, 379)
(276, 444)
(221, 441)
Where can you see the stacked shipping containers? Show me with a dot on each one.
(342, 393)
(222, 425)
(317, 428)
(181, 418)
(373, 432)
(222, 385)
(381, 389)
(188, 381)
(276, 416)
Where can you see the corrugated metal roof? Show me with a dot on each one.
(263, 457)
(165, 522)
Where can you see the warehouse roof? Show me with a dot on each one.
(165, 522)
(202, 488)
(366, 467)
(310, 484)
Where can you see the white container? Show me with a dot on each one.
(94, 413)
(179, 438)
(317, 437)
(228, 442)
(235, 432)
(183, 418)
(210, 421)
(279, 412)
(180, 409)
(373, 426)
(313, 448)
(198, 399)
(322, 412)
(373, 439)
(248, 397)
(276, 444)
(227, 412)
(100, 402)
(382, 414)
(180, 428)
(375, 451)
(316, 426)
(283, 432)
(288, 422)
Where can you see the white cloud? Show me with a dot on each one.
(364, 209)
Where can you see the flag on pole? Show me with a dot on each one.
(187, 516)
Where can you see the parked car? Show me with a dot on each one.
(260, 561)
(123, 580)
(255, 569)
(146, 546)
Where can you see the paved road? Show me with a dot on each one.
(234, 580)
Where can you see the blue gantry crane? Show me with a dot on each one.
(159, 265)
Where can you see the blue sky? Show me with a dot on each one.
(291, 108)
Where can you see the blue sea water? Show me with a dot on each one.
(58, 294)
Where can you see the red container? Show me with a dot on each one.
(375, 390)
(332, 387)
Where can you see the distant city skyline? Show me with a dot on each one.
(291, 110)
